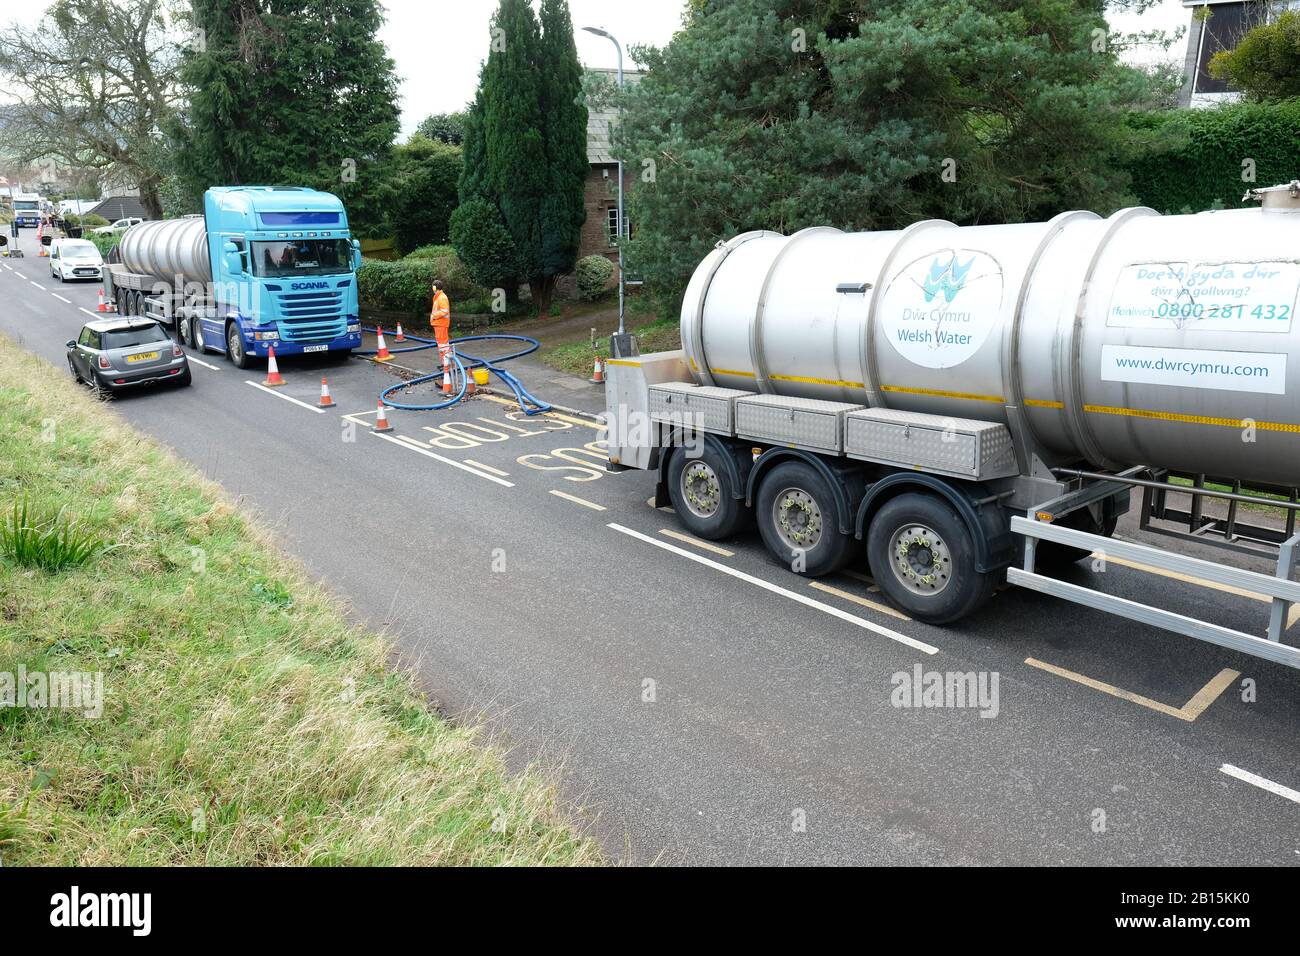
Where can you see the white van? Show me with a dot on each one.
(75, 259)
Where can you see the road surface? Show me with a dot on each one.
(703, 705)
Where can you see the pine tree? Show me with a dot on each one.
(291, 92)
(525, 156)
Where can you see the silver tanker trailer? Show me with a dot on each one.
(970, 405)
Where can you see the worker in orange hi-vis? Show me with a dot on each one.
(440, 319)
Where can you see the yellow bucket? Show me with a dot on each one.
(480, 376)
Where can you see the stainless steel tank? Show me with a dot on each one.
(168, 248)
(1135, 339)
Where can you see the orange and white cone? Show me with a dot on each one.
(399, 337)
(446, 373)
(469, 382)
(381, 420)
(326, 400)
(273, 376)
(382, 355)
(103, 306)
(598, 372)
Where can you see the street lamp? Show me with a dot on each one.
(622, 288)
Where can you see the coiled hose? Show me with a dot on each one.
(528, 403)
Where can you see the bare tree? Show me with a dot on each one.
(95, 85)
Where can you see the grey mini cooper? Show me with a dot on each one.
(116, 354)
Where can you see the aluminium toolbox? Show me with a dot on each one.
(705, 407)
(960, 447)
(795, 422)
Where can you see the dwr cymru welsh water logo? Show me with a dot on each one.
(946, 277)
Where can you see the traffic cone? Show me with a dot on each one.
(273, 377)
(103, 306)
(469, 382)
(382, 355)
(399, 337)
(598, 373)
(381, 421)
(446, 374)
(326, 400)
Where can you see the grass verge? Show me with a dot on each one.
(244, 720)
(576, 357)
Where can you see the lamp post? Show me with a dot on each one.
(619, 231)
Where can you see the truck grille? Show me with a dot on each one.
(312, 316)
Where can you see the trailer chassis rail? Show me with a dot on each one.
(1281, 586)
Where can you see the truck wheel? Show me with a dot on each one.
(703, 497)
(923, 557)
(235, 346)
(137, 304)
(122, 299)
(800, 520)
(194, 334)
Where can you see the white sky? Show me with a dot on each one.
(439, 44)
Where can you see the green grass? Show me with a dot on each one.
(576, 358)
(50, 542)
(245, 721)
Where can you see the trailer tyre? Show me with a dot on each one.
(799, 520)
(923, 557)
(194, 334)
(235, 347)
(703, 497)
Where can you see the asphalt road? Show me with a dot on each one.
(702, 704)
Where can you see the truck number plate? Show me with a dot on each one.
(315, 348)
(141, 357)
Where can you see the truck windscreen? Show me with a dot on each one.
(299, 257)
(26, 205)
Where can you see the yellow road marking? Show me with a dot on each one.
(482, 467)
(696, 542)
(882, 608)
(1201, 700)
(579, 501)
(1200, 582)
(559, 416)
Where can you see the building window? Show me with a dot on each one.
(611, 225)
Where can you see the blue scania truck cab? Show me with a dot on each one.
(263, 267)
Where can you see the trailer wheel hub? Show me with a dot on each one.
(701, 489)
(798, 519)
(922, 561)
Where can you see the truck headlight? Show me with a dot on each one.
(354, 330)
(266, 336)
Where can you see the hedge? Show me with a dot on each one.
(1196, 158)
(403, 286)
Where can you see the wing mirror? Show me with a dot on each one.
(356, 255)
(234, 264)
(71, 343)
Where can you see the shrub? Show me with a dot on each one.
(1196, 158)
(92, 221)
(425, 192)
(403, 286)
(594, 273)
(484, 244)
(104, 244)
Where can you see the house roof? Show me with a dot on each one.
(119, 207)
(600, 119)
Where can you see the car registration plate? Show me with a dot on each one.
(141, 357)
(315, 348)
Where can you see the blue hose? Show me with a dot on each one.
(528, 404)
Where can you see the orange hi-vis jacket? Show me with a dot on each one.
(440, 318)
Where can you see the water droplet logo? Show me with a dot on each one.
(946, 277)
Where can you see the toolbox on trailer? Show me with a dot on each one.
(705, 407)
(796, 422)
(960, 447)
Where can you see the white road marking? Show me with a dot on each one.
(215, 368)
(436, 457)
(93, 315)
(775, 589)
(61, 298)
(1262, 782)
(579, 501)
(487, 468)
(38, 285)
(703, 545)
(287, 398)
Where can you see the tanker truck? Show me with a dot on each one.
(263, 267)
(955, 408)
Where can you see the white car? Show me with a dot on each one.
(75, 259)
(120, 226)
